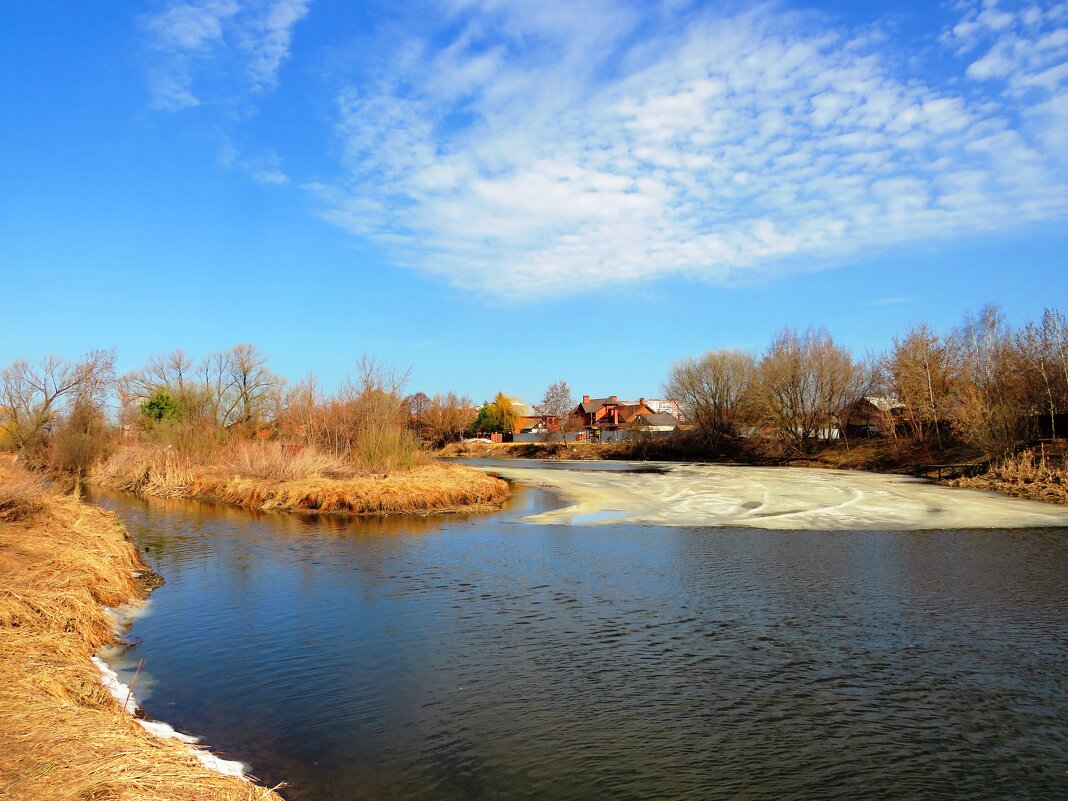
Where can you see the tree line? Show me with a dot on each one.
(984, 384)
(68, 414)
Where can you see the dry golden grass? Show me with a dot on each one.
(273, 460)
(62, 735)
(21, 496)
(265, 476)
(1041, 476)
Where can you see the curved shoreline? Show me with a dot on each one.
(124, 696)
(63, 565)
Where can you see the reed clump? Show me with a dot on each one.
(62, 734)
(269, 475)
(1033, 473)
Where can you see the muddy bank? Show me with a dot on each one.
(425, 489)
(775, 498)
(63, 736)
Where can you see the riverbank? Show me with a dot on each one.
(268, 479)
(1030, 475)
(62, 735)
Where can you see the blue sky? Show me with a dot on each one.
(503, 194)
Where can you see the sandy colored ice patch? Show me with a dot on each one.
(774, 497)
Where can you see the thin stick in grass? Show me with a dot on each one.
(129, 693)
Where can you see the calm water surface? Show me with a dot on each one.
(483, 658)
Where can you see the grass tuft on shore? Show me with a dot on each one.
(22, 496)
(62, 735)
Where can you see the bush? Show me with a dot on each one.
(81, 440)
(161, 407)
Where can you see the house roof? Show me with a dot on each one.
(657, 419)
(593, 404)
(884, 404)
(629, 411)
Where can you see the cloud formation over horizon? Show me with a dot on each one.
(531, 150)
(534, 150)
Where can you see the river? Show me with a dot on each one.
(485, 657)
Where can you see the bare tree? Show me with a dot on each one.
(253, 384)
(921, 376)
(559, 402)
(365, 421)
(300, 412)
(990, 399)
(238, 386)
(447, 418)
(172, 373)
(1038, 350)
(1055, 331)
(804, 383)
(32, 397)
(417, 404)
(711, 390)
(215, 379)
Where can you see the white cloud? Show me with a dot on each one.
(1025, 61)
(188, 37)
(890, 301)
(267, 37)
(536, 154)
(183, 33)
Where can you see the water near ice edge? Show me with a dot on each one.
(123, 617)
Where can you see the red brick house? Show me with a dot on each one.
(600, 415)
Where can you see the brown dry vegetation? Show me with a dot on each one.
(267, 476)
(1037, 476)
(62, 735)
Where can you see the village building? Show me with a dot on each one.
(612, 420)
(872, 416)
(656, 423)
(672, 407)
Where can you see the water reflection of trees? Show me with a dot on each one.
(250, 546)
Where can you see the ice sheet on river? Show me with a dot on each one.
(779, 498)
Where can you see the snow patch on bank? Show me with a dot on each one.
(121, 692)
(122, 618)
